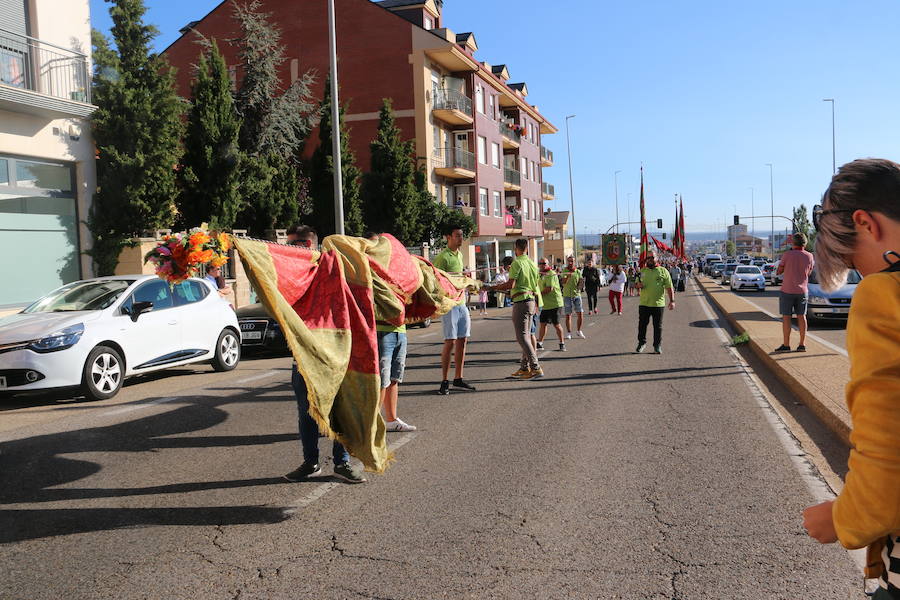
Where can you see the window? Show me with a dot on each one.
(482, 149)
(498, 205)
(479, 99)
(4, 171)
(437, 137)
(45, 176)
(492, 107)
(495, 154)
(483, 201)
(531, 170)
(523, 167)
(156, 292)
(525, 203)
(429, 23)
(188, 292)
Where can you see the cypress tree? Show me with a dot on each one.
(391, 198)
(137, 130)
(322, 176)
(210, 173)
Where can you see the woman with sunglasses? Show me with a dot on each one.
(858, 227)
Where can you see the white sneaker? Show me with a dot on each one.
(568, 336)
(399, 425)
(581, 334)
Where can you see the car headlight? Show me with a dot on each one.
(818, 300)
(59, 340)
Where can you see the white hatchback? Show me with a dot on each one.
(748, 276)
(94, 333)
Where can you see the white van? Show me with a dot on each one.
(711, 258)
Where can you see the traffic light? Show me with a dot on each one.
(737, 220)
(664, 235)
(659, 223)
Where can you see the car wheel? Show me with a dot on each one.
(103, 373)
(228, 351)
(426, 323)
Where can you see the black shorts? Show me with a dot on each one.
(550, 315)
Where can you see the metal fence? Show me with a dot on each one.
(508, 132)
(546, 154)
(454, 158)
(445, 99)
(548, 189)
(512, 176)
(32, 64)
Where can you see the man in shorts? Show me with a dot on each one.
(795, 267)
(572, 284)
(456, 323)
(552, 296)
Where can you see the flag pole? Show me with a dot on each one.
(335, 125)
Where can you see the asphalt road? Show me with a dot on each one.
(834, 332)
(617, 476)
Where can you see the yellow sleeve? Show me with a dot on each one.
(868, 507)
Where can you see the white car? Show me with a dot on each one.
(748, 276)
(94, 333)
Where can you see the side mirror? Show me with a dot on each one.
(139, 308)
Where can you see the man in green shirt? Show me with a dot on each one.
(655, 285)
(525, 293)
(572, 284)
(456, 323)
(553, 300)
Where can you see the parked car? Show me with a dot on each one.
(727, 272)
(715, 270)
(776, 278)
(759, 262)
(768, 270)
(831, 306)
(94, 333)
(748, 276)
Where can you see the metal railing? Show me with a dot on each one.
(548, 189)
(546, 154)
(454, 158)
(513, 221)
(512, 176)
(445, 99)
(508, 132)
(32, 64)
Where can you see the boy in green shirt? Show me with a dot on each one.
(572, 284)
(553, 299)
(456, 323)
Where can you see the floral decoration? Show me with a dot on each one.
(179, 256)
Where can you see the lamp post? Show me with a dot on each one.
(616, 177)
(571, 188)
(752, 217)
(772, 200)
(335, 126)
(833, 161)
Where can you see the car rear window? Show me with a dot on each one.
(748, 270)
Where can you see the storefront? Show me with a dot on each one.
(38, 228)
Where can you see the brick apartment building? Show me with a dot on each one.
(475, 132)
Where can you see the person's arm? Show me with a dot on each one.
(780, 269)
(502, 287)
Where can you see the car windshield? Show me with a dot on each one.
(853, 277)
(81, 295)
(748, 270)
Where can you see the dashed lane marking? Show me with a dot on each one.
(256, 377)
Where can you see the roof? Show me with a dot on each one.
(558, 217)
(398, 3)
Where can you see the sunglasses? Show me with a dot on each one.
(818, 212)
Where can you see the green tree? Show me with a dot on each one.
(435, 217)
(390, 194)
(210, 176)
(137, 130)
(802, 225)
(321, 176)
(729, 248)
(274, 127)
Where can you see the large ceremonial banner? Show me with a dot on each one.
(613, 245)
(327, 303)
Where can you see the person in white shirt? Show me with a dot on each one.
(616, 288)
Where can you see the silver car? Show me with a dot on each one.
(831, 306)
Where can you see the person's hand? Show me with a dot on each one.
(671, 305)
(819, 524)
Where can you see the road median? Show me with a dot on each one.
(817, 377)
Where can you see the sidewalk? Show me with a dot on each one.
(817, 377)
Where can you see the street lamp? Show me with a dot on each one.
(335, 125)
(772, 200)
(571, 187)
(833, 161)
(616, 177)
(752, 217)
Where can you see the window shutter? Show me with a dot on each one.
(12, 16)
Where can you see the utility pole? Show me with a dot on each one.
(772, 200)
(571, 187)
(616, 177)
(335, 126)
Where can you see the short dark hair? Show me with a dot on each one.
(371, 235)
(800, 239)
(507, 260)
(449, 229)
(522, 244)
(303, 232)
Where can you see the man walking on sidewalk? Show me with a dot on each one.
(795, 267)
(523, 283)
(655, 285)
(457, 325)
(572, 284)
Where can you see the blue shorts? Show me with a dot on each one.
(457, 324)
(571, 305)
(391, 356)
(534, 322)
(792, 303)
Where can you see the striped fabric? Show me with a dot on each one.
(327, 304)
(890, 579)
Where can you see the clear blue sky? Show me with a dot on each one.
(703, 93)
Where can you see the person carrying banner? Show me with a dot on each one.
(457, 324)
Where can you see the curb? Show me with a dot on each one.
(834, 422)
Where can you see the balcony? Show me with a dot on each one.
(454, 163)
(469, 211)
(511, 137)
(548, 191)
(546, 157)
(41, 79)
(452, 106)
(513, 223)
(512, 180)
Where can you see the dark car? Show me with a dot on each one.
(727, 272)
(715, 269)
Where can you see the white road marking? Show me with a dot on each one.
(427, 335)
(824, 342)
(256, 377)
(320, 490)
(808, 472)
(138, 406)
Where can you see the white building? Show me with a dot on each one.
(47, 173)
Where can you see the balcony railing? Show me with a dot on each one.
(512, 176)
(513, 221)
(548, 189)
(454, 158)
(508, 132)
(452, 100)
(31, 64)
(546, 155)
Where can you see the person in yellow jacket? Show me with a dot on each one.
(859, 227)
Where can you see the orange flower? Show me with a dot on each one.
(219, 261)
(199, 238)
(224, 242)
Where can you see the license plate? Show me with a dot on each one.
(2, 383)
(842, 310)
(251, 335)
